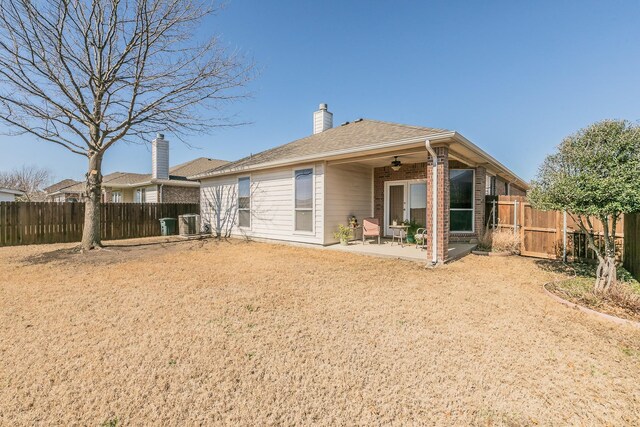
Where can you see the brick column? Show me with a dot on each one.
(443, 205)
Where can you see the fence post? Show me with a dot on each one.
(493, 202)
(515, 218)
(564, 236)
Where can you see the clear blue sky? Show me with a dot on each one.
(512, 76)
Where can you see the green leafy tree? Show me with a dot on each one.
(595, 173)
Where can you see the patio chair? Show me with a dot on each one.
(370, 228)
(421, 235)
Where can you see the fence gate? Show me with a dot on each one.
(540, 235)
(546, 234)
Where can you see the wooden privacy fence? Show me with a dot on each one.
(547, 234)
(26, 223)
(632, 244)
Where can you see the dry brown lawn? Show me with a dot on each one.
(208, 333)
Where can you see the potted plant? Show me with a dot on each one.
(411, 230)
(394, 222)
(353, 221)
(343, 234)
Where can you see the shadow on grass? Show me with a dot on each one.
(576, 269)
(112, 253)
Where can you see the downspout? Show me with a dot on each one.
(434, 203)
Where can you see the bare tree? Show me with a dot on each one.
(222, 204)
(86, 74)
(30, 179)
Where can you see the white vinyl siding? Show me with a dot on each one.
(7, 197)
(349, 190)
(272, 204)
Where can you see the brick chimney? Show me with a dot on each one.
(322, 119)
(160, 158)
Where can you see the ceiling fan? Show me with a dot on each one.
(396, 164)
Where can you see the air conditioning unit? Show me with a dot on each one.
(189, 224)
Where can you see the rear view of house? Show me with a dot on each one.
(302, 190)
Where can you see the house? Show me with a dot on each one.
(56, 192)
(301, 191)
(9, 194)
(163, 185)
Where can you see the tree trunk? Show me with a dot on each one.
(606, 275)
(91, 231)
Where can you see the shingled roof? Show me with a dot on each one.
(127, 179)
(361, 133)
(65, 183)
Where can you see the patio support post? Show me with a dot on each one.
(438, 204)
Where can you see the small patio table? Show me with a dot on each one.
(400, 232)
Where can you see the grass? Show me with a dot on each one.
(623, 301)
(215, 333)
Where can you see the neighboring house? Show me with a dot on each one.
(63, 191)
(163, 185)
(9, 194)
(302, 190)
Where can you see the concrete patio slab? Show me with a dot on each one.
(409, 252)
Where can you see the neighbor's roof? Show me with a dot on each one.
(361, 133)
(177, 175)
(11, 191)
(197, 166)
(60, 185)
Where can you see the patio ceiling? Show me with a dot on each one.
(459, 149)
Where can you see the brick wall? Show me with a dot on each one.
(515, 191)
(172, 194)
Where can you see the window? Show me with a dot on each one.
(244, 202)
(461, 200)
(141, 195)
(491, 186)
(116, 197)
(304, 200)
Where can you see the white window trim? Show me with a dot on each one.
(313, 201)
(473, 203)
(143, 195)
(119, 194)
(492, 185)
(250, 203)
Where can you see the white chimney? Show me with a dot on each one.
(322, 119)
(160, 158)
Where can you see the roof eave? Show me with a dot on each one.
(459, 138)
(171, 182)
